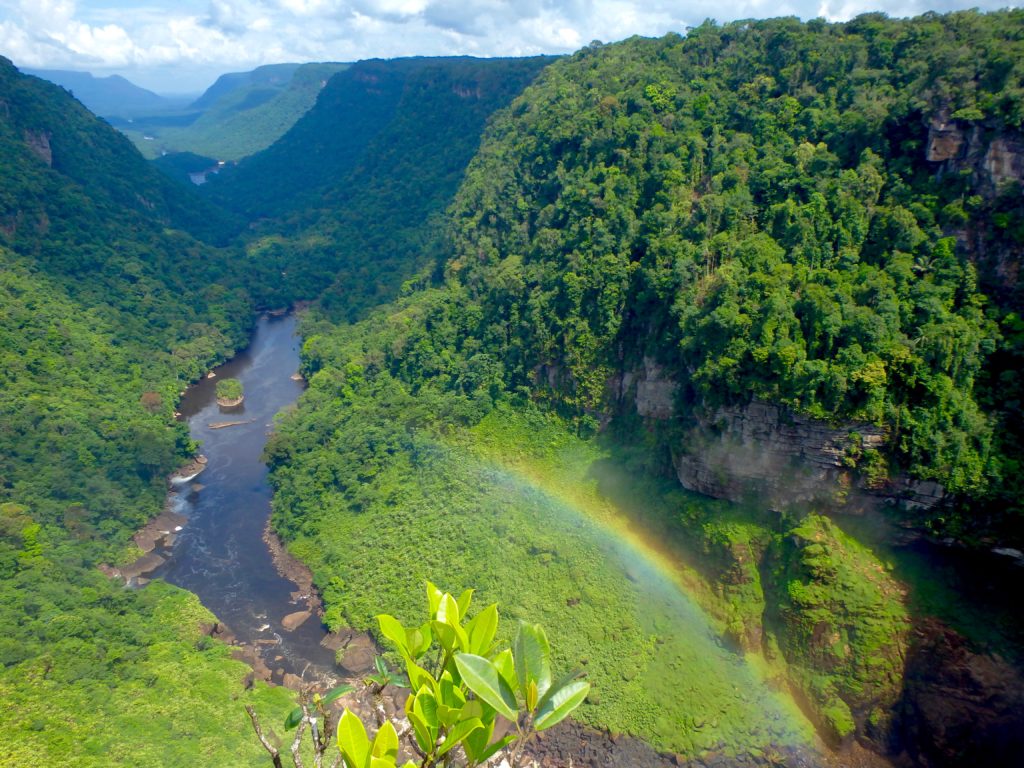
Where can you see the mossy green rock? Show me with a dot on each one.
(841, 623)
(733, 548)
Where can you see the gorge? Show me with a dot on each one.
(704, 352)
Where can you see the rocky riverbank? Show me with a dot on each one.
(159, 533)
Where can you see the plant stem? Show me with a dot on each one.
(275, 756)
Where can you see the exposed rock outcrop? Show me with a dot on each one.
(39, 143)
(356, 656)
(770, 452)
(1004, 161)
(995, 157)
(766, 450)
(946, 139)
(652, 392)
(294, 620)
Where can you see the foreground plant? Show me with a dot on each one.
(461, 682)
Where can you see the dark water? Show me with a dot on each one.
(220, 554)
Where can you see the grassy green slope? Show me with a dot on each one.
(379, 488)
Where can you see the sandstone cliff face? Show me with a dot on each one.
(994, 158)
(39, 143)
(764, 450)
(768, 452)
(1004, 161)
(654, 393)
(945, 139)
(781, 457)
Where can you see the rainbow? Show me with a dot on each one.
(665, 586)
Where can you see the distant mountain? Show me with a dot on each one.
(240, 114)
(112, 96)
(272, 77)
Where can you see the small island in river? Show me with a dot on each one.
(229, 393)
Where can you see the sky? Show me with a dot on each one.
(182, 46)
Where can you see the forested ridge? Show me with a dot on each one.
(240, 114)
(753, 205)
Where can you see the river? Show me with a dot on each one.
(220, 554)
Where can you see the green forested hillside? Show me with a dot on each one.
(108, 307)
(351, 199)
(753, 206)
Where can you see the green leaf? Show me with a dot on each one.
(450, 693)
(481, 630)
(475, 742)
(382, 668)
(561, 683)
(434, 596)
(448, 611)
(506, 667)
(458, 733)
(381, 762)
(450, 701)
(485, 681)
(425, 705)
(418, 676)
(494, 748)
(472, 709)
(335, 694)
(422, 638)
(385, 743)
(393, 630)
(451, 637)
(422, 732)
(464, 602)
(532, 658)
(558, 706)
(293, 719)
(352, 740)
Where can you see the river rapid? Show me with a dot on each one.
(220, 554)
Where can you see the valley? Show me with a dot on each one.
(703, 352)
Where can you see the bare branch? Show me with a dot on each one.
(296, 756)
(274, 754)
(318, 746)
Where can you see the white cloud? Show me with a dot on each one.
(183, 44)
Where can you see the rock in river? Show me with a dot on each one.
(295, 620)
